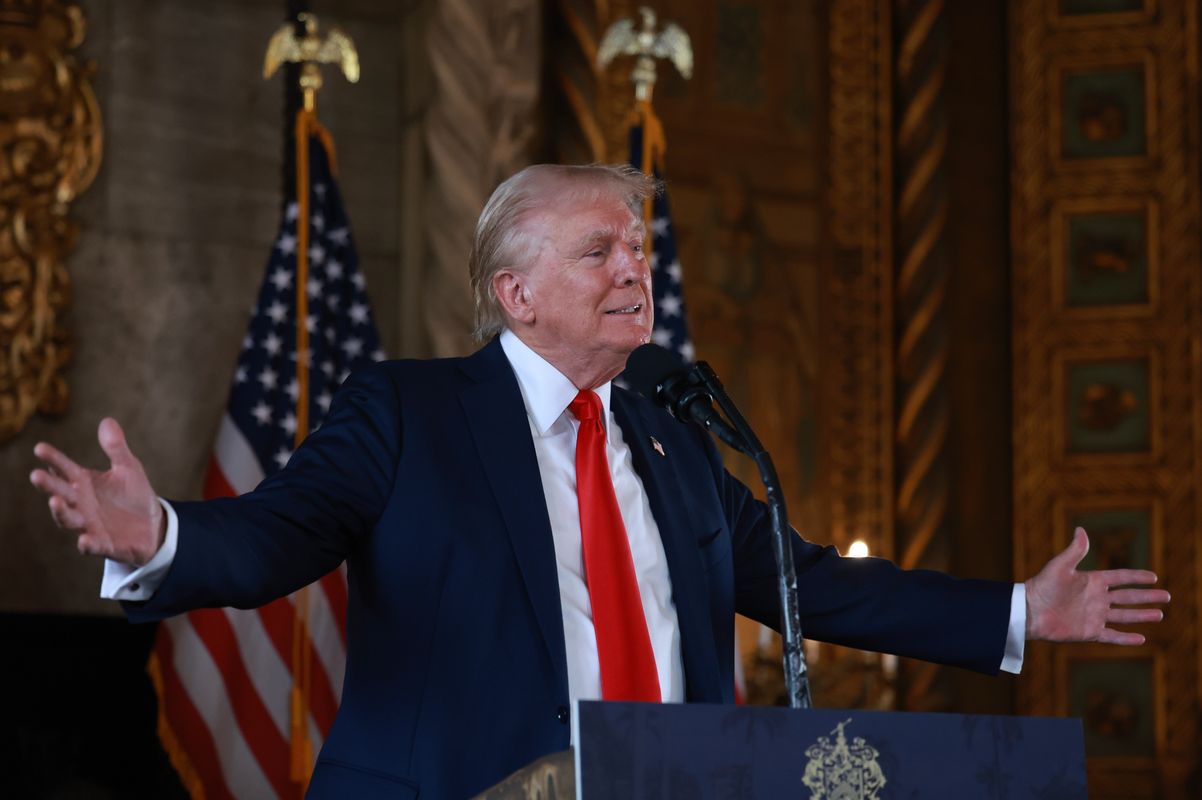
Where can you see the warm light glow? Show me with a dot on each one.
(858, 549)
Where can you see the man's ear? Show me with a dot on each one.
(514, 295)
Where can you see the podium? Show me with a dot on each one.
(647, 751)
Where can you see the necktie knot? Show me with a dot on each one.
(586, 407)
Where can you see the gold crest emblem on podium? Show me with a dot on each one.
(842, 771)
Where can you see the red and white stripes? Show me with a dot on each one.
(225, 674)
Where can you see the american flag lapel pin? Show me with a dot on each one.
(657, 447)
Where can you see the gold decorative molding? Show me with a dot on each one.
(50, 149)
(922, 407)
(551, 777)
(856, 445)
(856, 449)
(1160, 469)
(1149, 210)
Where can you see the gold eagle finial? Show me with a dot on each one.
(310, 50)
(646, 44)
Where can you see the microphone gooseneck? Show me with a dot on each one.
(689, 394)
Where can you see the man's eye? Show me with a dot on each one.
(637, 247)
(595, 254)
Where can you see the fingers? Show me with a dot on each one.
(1138, 597)
(1121, 637)
(58, 460)
(1128, 577)
(112, 441)
(1131, 616)
(69, 518)
(65, 516)
(52, 484)
(87, 546)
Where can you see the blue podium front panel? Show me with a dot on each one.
(631, 751)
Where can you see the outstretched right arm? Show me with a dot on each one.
(296, 526)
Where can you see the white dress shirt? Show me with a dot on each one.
(546, 394)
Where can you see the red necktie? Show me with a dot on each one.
(623, 644)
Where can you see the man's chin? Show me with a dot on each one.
(635, 340)
(620, 347)
(626, 332)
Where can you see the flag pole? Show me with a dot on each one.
(654, 147)
(292, 104)
(301, 746)
(307, 50)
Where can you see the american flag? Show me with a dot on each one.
(224, 677)
(671, 328)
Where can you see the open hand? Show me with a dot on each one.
(115, 513)
(1067, 605)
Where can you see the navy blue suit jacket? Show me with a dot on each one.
(424, 480)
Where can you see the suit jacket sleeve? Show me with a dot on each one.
(867, 603)
(298, 524)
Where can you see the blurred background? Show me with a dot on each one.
(945, 256)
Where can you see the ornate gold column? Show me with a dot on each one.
(50, 146)
(856, 447)
(885, 409)
(921, 344)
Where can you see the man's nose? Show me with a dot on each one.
(632, 266)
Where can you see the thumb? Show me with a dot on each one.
(112, 441)
(1075, 553)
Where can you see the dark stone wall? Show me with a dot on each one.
(175, 235)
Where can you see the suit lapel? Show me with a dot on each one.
(497, 419)
(669, 503)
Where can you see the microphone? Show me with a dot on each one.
(659, 375)
(689, 394)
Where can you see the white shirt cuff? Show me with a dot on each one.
(126, 582)
(1016, 636)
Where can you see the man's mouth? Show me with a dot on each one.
(627, 310)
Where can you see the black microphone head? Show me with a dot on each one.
(650, 366)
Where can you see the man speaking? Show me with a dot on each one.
(520, 533)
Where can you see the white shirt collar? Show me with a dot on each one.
(546, 391)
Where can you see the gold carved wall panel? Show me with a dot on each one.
(886, 404)
(857, 398)
(1107, 343)
(50, 145)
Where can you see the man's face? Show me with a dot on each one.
(590, 284)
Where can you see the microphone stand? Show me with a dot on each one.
(797, 683)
